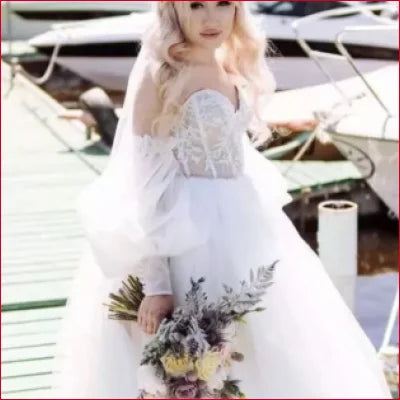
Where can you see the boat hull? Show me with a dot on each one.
(383, 159)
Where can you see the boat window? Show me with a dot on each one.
(304, 8)
(315, 7)
(68, 15)
(286, 8)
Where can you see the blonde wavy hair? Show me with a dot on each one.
(242, 56)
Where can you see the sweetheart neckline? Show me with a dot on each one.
(226, 99)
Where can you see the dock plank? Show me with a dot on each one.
(27, 369)
(28, 340)
(27, 353)
(30, 327)
(30, 292)
(37, 276)
(37, 393)
(23, 386)
(23, 316)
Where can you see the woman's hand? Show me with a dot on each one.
(152, 310)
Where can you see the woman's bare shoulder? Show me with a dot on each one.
(200, 77)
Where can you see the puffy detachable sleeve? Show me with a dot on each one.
(153, 177)
(137, 214)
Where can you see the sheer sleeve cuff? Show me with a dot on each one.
(155, 277)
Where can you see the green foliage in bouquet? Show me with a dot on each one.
(125, 305)
(231, 390)
(235, 306)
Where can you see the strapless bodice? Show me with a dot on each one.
(209, 135)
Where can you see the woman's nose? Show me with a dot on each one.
(210, 17)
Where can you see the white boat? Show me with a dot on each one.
(277, 17)
(362, 130)
(104, 50)
(21, 20)
(366, 129)
(368, 134)
(360, 114)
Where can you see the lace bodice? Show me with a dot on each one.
(209, 135)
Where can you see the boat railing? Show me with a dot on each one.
(388, 352)
(15, 66)
(340, 108)
(344, 55)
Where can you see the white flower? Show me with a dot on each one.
(229, 332)
(216, 382)
(150, 382)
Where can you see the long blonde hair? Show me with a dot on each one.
(242, 56)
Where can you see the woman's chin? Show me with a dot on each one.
(211, 44)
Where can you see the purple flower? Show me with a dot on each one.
(184, 389)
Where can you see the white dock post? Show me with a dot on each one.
(337, 244)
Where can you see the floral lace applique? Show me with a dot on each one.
(209, 135)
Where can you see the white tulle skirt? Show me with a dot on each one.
(306, 344)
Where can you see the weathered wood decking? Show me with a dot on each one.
(41, 235)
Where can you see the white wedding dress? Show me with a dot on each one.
(212, 206)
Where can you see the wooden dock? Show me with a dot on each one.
(45, 164)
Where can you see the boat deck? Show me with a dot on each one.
(45, 164)
(316, 174)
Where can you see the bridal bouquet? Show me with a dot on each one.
(193, 350)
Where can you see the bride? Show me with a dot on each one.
(185, 194)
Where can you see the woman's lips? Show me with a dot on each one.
(210, 35)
